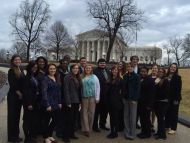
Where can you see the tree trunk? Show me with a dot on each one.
(28, 52)
(110, 49)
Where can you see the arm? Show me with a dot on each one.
(97, 89)
(66, 90)
(45, 100)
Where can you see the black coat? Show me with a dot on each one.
(114, 94)
(147, 92)
(162, 91)
(175, 88)
(31, 91)
(103, 82)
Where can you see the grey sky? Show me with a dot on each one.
(166, 18)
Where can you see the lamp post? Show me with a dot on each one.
(91, 55)
(8, 54)
(104, 55)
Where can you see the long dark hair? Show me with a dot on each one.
(124, 69)
(29, 67)
(45, 61)
(76, 78)
(111, 75)
(168, 71)
(15, 69)
(164, 76)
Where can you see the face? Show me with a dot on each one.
(130, 68)
(102, 65)
(88, 70)
(120, 66)
(160, 73)
(115, 72)
(144, 73)
(173, 68)
(83, 62)
(41, 63)
(75, 70)
(34, 68)
(52, 70)
(64, 64)
(155, 70)
(17, 61)
(135, 61)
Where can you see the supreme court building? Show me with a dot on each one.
(93, 45)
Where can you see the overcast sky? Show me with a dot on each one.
(166, 18)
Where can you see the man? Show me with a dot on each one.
(83, 63)
(101, 108)
(135, 60)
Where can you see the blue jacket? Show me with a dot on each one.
(51, 93)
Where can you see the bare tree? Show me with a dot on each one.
(168, 51)
(3, 53)
(58, 38)
(156, 54)
(186, 49)
(115, 15)
(20, 49)
(29, 22)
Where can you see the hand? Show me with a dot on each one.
(97, 101)
(133, 102)
(30, 107)
(60, 106)
(175, 102)
(69, 105)
(79, 107)
(49, 109)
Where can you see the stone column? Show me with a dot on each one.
(98, 50)
(82, 49)
(93, 51)
(88, 51)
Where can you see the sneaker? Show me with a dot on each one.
(160, 138)
(171, 132)
(143, 136)
(112, 135)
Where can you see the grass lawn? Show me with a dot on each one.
(185, 103)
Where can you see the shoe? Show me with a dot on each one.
(171, 132)
(143, 136)
(15, 140)
(160, 138)
(104, 128)
(66, 140)
(74, 137)
(97, 130)
(138, 126)
(155, 135)
(87, 134)
(112, 135)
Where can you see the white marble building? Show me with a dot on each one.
(93, 45)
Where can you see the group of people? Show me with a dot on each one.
(75, 96)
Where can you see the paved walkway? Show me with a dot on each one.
(182, 135)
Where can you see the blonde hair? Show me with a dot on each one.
(83, 75)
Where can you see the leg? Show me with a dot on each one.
(84, 114)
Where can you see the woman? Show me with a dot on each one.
(42, 64)
(14, 98)
(90, 96)
(174, 98)
(161, 102)
(122, 68)
(153, 76)
(72, 99)
(30, 102)
(115, 101)
(51, 103)
(146, 102)
(130, 90)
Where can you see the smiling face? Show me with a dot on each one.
(83, 62)
(52, 70)
(41, 63)
(34, 68)
(130, 69)
(120, 66)
(155, 70)
(114, 72)
(173, 68)
(102, 65)
(161, 73)
(75, 70)
(16, 61)
(144, 72)
(88, 70)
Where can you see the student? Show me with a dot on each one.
(72, 99)
(174, 98)
(83, 63)
(51, 103)
(161, 102)
(62, 71)
(90, 96)
(101, 111)
(146, 102)
(30, 102)
(14, 98)
(153, 76)
(42, 64)
(122, 68)
(131, 93)
(115, 101)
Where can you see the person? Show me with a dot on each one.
(62, 71)
(42, 64)
(115, 102)
(101, 111)
(14, 99)
(51, 103)
(153, 76)
(72, 99)
(90, 96)
(122, 68)
(131, 93)
(134, 61)
(161, 102)
(83, 63)
(31, 92)
(175, 85)
(146, 102)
